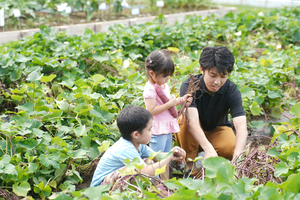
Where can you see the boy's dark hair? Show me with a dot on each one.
(160, 63)
(132, 118)
(220, 57)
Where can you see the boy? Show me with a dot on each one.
(134, 123)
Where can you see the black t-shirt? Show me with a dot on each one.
(213, 109)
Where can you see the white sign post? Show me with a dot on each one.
(17, 14)
(68, 10)
(2, 21)
(160, 4)
(135, 11)
(102, 6)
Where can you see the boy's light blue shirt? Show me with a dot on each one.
(113, 158)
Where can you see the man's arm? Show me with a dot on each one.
(240, 125)
(198, 134)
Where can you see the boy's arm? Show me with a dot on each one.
(178, 155)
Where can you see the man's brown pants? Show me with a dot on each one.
(222, 139)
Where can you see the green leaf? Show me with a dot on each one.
(134, 56)
(273, 94)
(29, 143)
(55, 114)
(268, 192)
(273, 152)
(46, 79)
(98, 78)
(295, 110)
(95, 193)
(117, 95)
(135, 78)
(212, 165)
(63, 105)
(80, 131)
(80, 153)
(16, 97)
(59, 141)
(49, 161)
(225, 173)
(255, 109)
(104, 146)
(162, 156)
(82, 108)
(21, 189)
(174, 49)
(153, 154)
(5, 165)
(258, 124)
(191, 184)
(160, 170)
(100, 58)
(280, 169)
(21, 58)
(34, 76)
(63, 196)
(67, 82)
(275, 112)
(248, 92)
(21, 91)
(292, 184)
(27, 107)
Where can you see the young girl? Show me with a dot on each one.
(159, 67)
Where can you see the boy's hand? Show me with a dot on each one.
(179, 154)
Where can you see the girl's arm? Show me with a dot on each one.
(155, 110)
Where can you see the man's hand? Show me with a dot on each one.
(240, 125)
(210, 153)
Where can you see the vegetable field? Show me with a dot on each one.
(60, 96)
(27, 14)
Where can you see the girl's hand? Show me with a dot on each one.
(185, 98)
(173, 101)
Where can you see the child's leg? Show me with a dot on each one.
(168, 143)
(158, 142)
(162, 143)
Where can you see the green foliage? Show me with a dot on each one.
(185, 3)
(60, 96)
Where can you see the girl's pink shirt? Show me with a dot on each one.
(164, 122)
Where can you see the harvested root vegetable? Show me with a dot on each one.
(254, 162)
(165, 99)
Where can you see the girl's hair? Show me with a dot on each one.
(160, 63)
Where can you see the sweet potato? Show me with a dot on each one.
(165, 99)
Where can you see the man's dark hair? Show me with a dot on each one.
(132, 118)
(219, 57)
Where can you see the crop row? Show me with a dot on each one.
(60, 94)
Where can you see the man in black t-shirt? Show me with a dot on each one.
(209, 128)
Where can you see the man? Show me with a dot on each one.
(208, 127)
